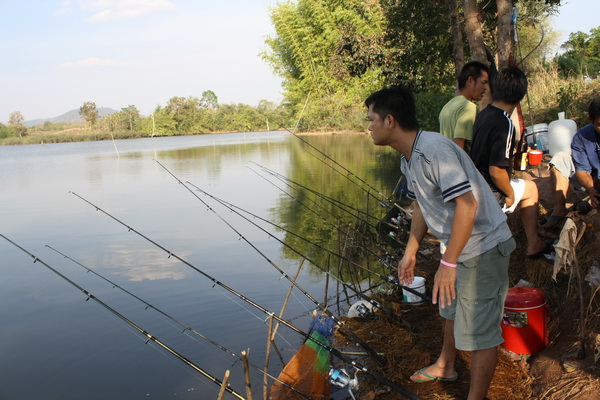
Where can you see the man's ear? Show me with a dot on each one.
(390, 121)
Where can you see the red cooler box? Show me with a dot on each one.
(524, 324)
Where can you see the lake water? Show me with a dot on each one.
(57, 345)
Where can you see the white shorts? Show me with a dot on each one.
(518, 186)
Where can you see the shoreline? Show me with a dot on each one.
(43, 138)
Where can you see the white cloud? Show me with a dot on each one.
(65, 7)
(106, 10)
(90, 62)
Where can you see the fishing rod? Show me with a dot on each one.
(337, 203)
(181, 324)
(149, 337)
(360, 294)
(320, 306)
(329, 199)
(234, 208)
(380, 378)
(402, 216)
(300, 202)
(348, 172)
(341, 231)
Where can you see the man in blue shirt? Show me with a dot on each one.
(583, 163)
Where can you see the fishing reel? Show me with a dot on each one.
(341, 378)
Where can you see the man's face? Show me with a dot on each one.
(376, 127)
(480, 85)
(596, 124)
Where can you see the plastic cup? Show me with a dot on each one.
(535, 157)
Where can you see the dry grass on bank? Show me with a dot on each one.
(548, 94)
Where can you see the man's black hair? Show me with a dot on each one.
(397, 101)
(594, 109)
(510, 85)
(472, 68)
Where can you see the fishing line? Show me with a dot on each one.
(384, 203)
(234, 209)
(374, 303)
(323, 309)
(346, 234)
(337, 203)
(149, 337)
(380, 258)
(186, 328)
(380, 378)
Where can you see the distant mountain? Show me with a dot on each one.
(69, 116)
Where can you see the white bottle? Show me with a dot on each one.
(560, 134)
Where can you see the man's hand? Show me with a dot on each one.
(594, 197)
(406, 270)
(444, 286)
(509, 201)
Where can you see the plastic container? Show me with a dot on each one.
(525, 322)
(560, 134)
(418, 285)
(535, 157)
(541, 137)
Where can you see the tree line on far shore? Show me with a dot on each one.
(181, 116)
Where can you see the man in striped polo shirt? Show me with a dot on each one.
(456, 204)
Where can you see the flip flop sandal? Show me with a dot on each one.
(431, 378)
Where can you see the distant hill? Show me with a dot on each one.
(69, 116)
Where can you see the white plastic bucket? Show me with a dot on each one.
(418, 285)
(541, 136)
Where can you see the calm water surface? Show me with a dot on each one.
(57, 345)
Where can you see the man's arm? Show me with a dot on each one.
(502, 181)
(460, 142)
(587, 181)
(418, 230)
(444, 286)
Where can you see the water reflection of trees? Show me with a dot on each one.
(345, 225)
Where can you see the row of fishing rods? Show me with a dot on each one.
(240, 211)
(319, 305)
(333, 351)
(323, 309)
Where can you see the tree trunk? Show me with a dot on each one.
(458, 54)
(474, 31)
(505, 33)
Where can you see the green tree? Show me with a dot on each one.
(89, 112)
(582, 55)
(209, 100)
(328, 52)
(129, 116)
(16, 122)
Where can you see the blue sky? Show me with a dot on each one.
(57, 54)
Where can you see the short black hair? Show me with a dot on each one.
(397, 101)
(510, 85)
(594, 109)
(472, 68)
